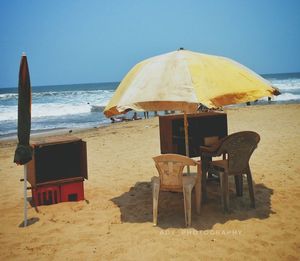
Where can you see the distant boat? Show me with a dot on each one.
(95, 108)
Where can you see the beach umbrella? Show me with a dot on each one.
(23, 153)
(183, 79)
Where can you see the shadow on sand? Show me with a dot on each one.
(30, 222)
(136, 206)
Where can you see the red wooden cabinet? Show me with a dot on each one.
(57, 170)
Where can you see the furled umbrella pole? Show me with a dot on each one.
(181, 80)
(23, 153)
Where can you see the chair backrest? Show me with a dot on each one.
(170, 168)
(239, 147)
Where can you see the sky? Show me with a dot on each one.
(89, 41)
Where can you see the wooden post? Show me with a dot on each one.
(186, 138)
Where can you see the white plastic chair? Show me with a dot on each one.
(171, 178)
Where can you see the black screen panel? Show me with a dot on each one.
(58, 161)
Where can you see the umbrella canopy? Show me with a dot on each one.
(23, 153)
(182, 79)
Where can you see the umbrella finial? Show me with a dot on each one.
(23, 54)
(180, 48)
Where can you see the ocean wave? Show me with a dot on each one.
(287, 84)
(8, 96)
(50, 110)
(45, 110)
(287, 97)
(70, 93)
(55, 104)
(8, 113)
(61, 94)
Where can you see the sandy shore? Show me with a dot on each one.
(115, 221)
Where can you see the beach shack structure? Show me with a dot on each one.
(203, 127)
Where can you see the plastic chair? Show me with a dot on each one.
(238, 148)
(170, 168)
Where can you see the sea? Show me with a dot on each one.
(72, 106)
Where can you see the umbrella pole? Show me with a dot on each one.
(25, 195)
(186, 138)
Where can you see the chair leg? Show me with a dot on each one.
(224, 190)
(187, 194)
(239, 185)
(185, 205)
(250, 186)
(155, 195)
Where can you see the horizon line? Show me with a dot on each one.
(1, 87)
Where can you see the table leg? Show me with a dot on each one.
(204, 167)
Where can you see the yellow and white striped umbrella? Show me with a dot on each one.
(182, 79)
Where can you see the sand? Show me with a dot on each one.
(115, 220)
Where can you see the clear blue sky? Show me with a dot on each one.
(72, 41)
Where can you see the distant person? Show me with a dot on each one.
(135, 117)
(113, 120)
(146, 114)
(269, 99)
(118, 119)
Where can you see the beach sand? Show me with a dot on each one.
(115, 220)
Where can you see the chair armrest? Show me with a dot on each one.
(198, 162)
